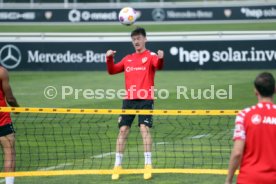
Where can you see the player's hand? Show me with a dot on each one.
(160, 54)
(110, 53)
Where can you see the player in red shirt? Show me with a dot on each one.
(139, 69)
(7, 138)
(255, 138)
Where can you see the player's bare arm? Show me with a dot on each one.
(11, 100)
(235, 159)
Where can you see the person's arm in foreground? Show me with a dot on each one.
(7, 88)
(235, 159)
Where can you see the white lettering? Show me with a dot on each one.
(182, 90)
(84, 15)
(269, 120)
(88, 56)
(132, 69)
(66, 90)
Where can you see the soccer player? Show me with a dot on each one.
(139, 69)
(7, 137)
(255, 138)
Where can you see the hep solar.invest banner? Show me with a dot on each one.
(179, 55)
(173, 14)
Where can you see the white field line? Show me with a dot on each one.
(103, 155)
(199, 136)
(123, 37)
(54, 167)
(108, 154)
(26, 94)
(160, 143)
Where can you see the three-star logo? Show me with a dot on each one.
(158, 14)
(10, 56)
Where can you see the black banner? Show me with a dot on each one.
(179, 55)
(267, 12)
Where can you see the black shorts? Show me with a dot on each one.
(6, 130)
(126, 120)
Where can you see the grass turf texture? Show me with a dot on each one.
(151, 28)
(28, 87)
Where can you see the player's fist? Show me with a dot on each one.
(110, 53)
(160, 54)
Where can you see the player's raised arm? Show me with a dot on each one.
(111, 67)
(158, 62)
(7, 88)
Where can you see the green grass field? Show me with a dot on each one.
(29, 89)
(148, 27)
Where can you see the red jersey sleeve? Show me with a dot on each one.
(239, 131)
(114, 68)
(157, 62)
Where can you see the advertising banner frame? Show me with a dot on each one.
(183, 51)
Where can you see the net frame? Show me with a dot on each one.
(116, 112)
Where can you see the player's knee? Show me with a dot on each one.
(124, 130)
(144, 129)
(7, 145)
(142, 126)
(9, 151)
(11, 140)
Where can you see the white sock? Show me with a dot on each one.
(118, 159)
(9, 180)
(147, 158)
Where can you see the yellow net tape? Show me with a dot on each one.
(118, 111)
(109, 172)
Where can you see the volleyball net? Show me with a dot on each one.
(55, 141)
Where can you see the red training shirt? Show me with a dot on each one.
(257, 127)
(139, 71)
(5, 117)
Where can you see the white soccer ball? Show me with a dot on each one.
(127, 16)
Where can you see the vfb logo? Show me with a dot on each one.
(10, 56)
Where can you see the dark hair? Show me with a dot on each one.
(138, 31)
(265, 84)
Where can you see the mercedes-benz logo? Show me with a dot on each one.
(10, 56)
(158, 14)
